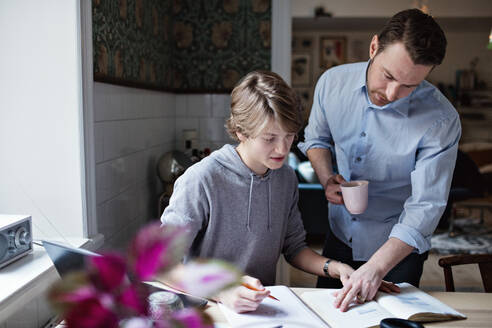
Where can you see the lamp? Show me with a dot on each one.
(423, 5)
(489, 46)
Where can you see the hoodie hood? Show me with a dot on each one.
(229, 158)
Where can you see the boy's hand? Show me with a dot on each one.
(332, 189)
(242, 299)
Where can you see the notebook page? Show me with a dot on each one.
(289, 311)
(412, 300)
(358, 315)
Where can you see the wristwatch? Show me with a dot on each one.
(325, 268)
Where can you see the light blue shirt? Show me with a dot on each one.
(406, 149)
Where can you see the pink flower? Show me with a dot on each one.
(156, 249)
(108, 271)
(191, 318)
(91, 313)
(205, 279)
(111, 290)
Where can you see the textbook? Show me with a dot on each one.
(315, 309)
(411, 303)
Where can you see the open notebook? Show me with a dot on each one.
(316, 309)
(411, 303)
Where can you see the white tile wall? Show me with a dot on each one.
(133, 127)
(207, 113)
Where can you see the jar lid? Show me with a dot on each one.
(163, 298)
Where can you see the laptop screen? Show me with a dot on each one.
(67, 259)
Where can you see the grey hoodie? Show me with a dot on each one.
(235, 215)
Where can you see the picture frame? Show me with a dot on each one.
(305, 95)
(332, 51)
(302, 44)
(301, 69)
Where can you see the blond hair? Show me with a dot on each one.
(259, 97)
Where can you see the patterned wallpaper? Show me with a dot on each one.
(132, 43)
(180, 45)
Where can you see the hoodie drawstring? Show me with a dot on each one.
(249, 201)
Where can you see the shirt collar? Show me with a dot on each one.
(401, 106)
(361, 82)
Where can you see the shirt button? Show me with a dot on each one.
(363, 134)
(358, 159)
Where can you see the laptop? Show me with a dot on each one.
(67, 259)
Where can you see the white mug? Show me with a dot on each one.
(355, 195)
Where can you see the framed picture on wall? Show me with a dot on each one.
(306, 96)
(302, 43)
(332, 51)
(301, 70)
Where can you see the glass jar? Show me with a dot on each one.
(162, 303)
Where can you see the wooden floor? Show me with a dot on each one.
(467, 277)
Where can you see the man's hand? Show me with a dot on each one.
(332, 189)
(341, 271)
(242, 299)
(362, 286)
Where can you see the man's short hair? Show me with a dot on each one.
(422, 37)
(259, 97)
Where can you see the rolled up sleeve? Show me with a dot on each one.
(431, 181)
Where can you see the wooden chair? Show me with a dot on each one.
(484, 262)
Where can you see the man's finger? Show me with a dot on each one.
(372, 293)
(341, 296)
(362, 295)
(348, 299)
(334, 198)
(394, 288)
(384, 288)
(339, 178)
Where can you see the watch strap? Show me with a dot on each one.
(325, 267)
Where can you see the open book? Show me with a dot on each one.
(411, 303)
(316, 310)
(288, 312)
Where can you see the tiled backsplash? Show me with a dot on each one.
(133, 128)
(206, 113)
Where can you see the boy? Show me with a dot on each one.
(240, 203)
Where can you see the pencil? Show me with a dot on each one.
(256, 289)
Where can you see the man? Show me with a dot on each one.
(380, 121)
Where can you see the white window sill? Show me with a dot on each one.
(30, 276)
